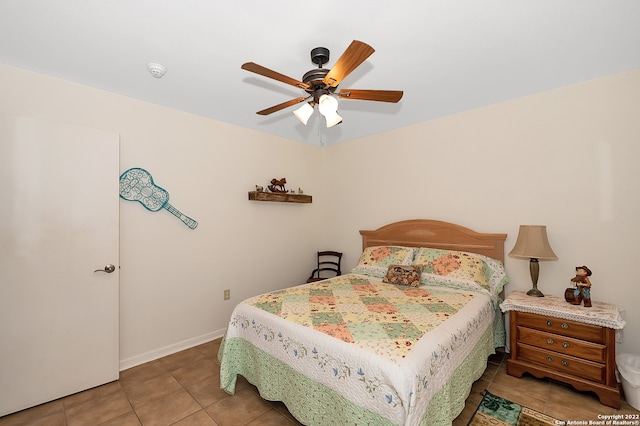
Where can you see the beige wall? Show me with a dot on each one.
(564, 158)
(172, 278)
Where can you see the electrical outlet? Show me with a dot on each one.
(227, 294)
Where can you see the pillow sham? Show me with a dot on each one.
(408, 275)
(461, 269)
(375, 261)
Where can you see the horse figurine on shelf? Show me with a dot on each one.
(277, 185)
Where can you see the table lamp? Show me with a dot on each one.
(533, 244)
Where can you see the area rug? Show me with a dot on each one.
(497, 411)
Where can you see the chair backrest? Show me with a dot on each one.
(328, 265)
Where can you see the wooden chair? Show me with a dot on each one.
(328, 264)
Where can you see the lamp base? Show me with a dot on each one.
(535, 292)
(534, 269)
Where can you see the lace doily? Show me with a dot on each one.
(601, 313)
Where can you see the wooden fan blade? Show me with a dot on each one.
(259, 69)
(372, 95)
(281, 106)
(356, 53)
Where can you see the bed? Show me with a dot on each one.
(397, 341)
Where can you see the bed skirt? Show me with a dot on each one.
(312, 403)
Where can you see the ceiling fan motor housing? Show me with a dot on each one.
(315, 77)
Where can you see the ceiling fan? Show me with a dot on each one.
(321, 84)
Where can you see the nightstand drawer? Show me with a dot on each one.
(592, 333)
(563, 363)
(566, 345)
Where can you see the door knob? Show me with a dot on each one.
(108, 269)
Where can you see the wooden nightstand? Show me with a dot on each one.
(572, 344)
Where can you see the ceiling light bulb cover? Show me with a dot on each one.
(333, 119)
(328, 105)
(304, 113)
(157, 70)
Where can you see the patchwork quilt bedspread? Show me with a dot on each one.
(387, 348)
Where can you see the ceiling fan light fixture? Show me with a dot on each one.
(328, 105)
(304, 113)
(333, 119)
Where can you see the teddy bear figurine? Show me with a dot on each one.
(582, 291)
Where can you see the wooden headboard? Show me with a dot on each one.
(435, 234)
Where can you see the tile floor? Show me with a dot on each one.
(183, 389)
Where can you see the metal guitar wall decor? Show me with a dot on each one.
(136, 184)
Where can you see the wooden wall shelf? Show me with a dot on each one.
(279, 197)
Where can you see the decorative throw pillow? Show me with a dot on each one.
(403, 275)
(453, 267)
(375, 261)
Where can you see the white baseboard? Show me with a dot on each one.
(170, 349)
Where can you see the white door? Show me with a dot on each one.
(58, 224)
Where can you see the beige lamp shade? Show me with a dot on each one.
(533, 243)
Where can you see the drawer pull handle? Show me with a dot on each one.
(549, 323)
(550, 341)
(565, 344)
(565, 325)
(550, 358)
(565, 363)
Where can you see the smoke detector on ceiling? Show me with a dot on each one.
(157, 70)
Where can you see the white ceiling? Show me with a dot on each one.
(448, 56)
